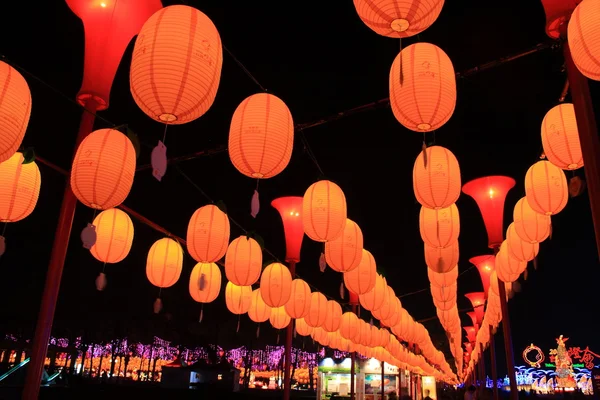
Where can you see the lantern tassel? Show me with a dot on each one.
(255, 203)
(201, 313)
(550, 234)
(202, 281)
(158, 159)
(2, 245)
(322, 262)
(238, 325)
(88, 236)
(101, 281)
(157, 305)
(257, 331)
(525, 274)
(277, 336)
(342, 290)
(295, 332)
(424, 149)
(535, 264)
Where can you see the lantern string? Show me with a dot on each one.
(309, 151)
(4, 228)
(165, 133)
(246, 71)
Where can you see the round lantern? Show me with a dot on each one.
(261, 136)
(422, 87)
(348, 325)
(259, 311)
(19, 186)
(279, 318)
(243, 261)
(176, 65)
(508, 268)
(546, 188)
(205, 282)
(333, 316)
(560, 137)
(388, 307)
(393, 318)
(208, 234)
(364, 338)
(584, 38)
(276, 285)
(299, 303)
(302, 327)
(443, 294)
(164, 263)
(362, 279)
(114, 235)
(324, 211)
(518, 248)
(439, 227)
(442, 260)
(442, 279)
(317, 311)
(373, 299)
(531, 226)
(238, 298)
(15, 109)
(436, 183)
(345, 252)
(103, 169)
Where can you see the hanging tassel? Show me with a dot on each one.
(88, 236)
(238, 325)
(550, 234)
(158, 160)
(342, 290)
(2, 245)
(255, 203)
(202, 281)
(295, 334)
(371, 322)
(535, 264)
(201, 313)
(277, 337)
(424, 149)
(258, 331)
(525, 274)
(101, 281)
(322, 263)
(158, 305)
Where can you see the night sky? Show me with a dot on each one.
(320, 59)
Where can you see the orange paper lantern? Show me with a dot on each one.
(439, 228)
(333, 316)
(518, 248)
(508, 268)
(208, 234)
(259, 311)
(442, 279)
(560, 137)
(317, 311)
(19, 187)
(437, 183)
(164, 263)
(298, 305)
(15, 109)
(205, 282)
(362, 279)
(584, 38)
(345, 252)
(243, 261)
(324, 211)
(279, 318)
(531, 226)
(442, 260)
(238, 298)
(114, 236)
(176, 65)
(302, 327)
(373, 299)
(103, 169)
(443, 294)
(393, 318)
(388, 307)
(546, 188)
(276, 285)
(348, 325)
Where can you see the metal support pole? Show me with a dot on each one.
(508, 346)
(352, 364)
(382, 380)
(287, 379)
(493, 362)
(482, 376)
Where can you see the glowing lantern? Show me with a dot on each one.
(302, 327)
(442, 279)
(176, 65)
(560, 137)
(345, 252)
(279, 318)
(442, 260)
(486, 265)
(393, 318)
(364, 337)
(375, 338)
(508, 268)
(258, 311)
(471, 333)
(518, 248)
(546, 188)
(276, 285)
(477, 300)
(437, 183)
(362, 279)
(333, 316)
(324, 211)
(443, 294)
(208, 234)
(373, 299)
(165, 262)
(388, 307)
(299, 302)
(384, 337)
(583, 34)
(114, 235)
(439, 227)
(317, 312)
(205, 282)
(103, 169)
(243, 261)
(15, 109)
(289, 209)
(19, 187)
(238, 298)
(422, 88)
(349, 325)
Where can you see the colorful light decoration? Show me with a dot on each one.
(290, 209)
(539, 356)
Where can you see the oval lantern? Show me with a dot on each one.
(362, 279)
(531, 226)
(518, 248)
(164, 263)
(388, 307)
(15, 109)
(436, 183)
(208, 234)
(546, 188)
(19, 187)
(422, 87)
(298, 305)
(373, 299)
(317, 311)
(560, 137)
(394, 317)
(176, 65)
(238, 298)
(114, 236)
(348, 325)
(259, 311)
(508, 268)
(333, 316)
(324, 211)
(276, 285)
(442, 260)
(243, 261)
(103, 169)
(442, 279)
(279, 318)
(205, 282)
(439, 227)
(261, 136)
(583, 33)
(302, 327)
(344, 253)
(443, 294)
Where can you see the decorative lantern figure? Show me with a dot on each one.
(238, 298)
(208, 234)
(259, 311)
(442, 260)
(114, 236)
(279, 318)
(344, 253)
(546, 188)
(362, 279)
(486, 265)
(205, 282)
(298, 305)
(560, 137)
(243, 261)
(324, 211)
(518, 248)
(289, 209)
(439, 227)
(165, 262)
(276, 285)
(333, 316)
(436, 183)
(373, 299)
(19, 187)
(317, 310)
(15, 109)
(584, 38)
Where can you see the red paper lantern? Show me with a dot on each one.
(259, 311)
(530, 225)
(442, 260)
(276, 285)
(164, 263)
(362, 279)
(345, 252)
(317, 311)
(518, 248)
(208, 234)
(442, 279)
(436, 183)
(238, 298)
(439, 227)
(299, 303)
(324, 211)
(205, 282)
(15, 109)
(114, 236)
(243, 261)
(546, 188)
(584, 38)
(279, 318)
(560, 137)
(373, 299)
(333, 316)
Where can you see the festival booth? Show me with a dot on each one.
(428, 384)
(334, 379)
(372, 372)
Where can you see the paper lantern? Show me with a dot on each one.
(302, 327)
(348, 325)
(114, 236)
(164, 263)
(208, 234)
(422, 87)
(333, 316)
(388, 307)
(518, 248)
(439, 227)
(373, 299)
(442, 260)
(317, 311)
(560, 137)
(299, 303)
(443, 294)
(205, 282)
(345, 252)
(584, 38)
(508, 268)
(238, 298)
(546, 188)
(276, 285)
(259, 311)
(176, 65)
(437, 183)
(15, 109)
(477, 300)
(364, 338)
(103, 169)
(485, 264)
(324, 211)
(531, 226)
(279, 318)
(19, 187)
(243, 261)
(362, 279)
(261, 136)
(442, 279)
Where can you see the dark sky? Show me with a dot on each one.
(320, 59)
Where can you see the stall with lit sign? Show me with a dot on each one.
(334, 379)
(428, 387)
(372, 372)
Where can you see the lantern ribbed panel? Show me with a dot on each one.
(388, 306)
(546, 188)
(442, 279)
(362, 279)
(259, 311)
(374, 339)
(518, 248)
(508, 268)
(365, 334)
(279, 318)
(437, 184)
(164, 263)
(103, 169)
(439, 228)
(373, 299)
(15, 109)
(531, 226)
(114, 236)
(238, 298)
(302, 327)
(261, 136)
(333, 316)
(320, 336)
(394, 317)
(443, 294)
(384, 337)
(208, 234)
(442, 260)
(345, 252)
(243, 261)
(560, 137)
(398, 18)
(317, 310)
(324, 211)
(299, 303)
(584, 38)
(348, 325)
(447, 317)
(176, 65)
(205, 282)
(422, 87)
(276, 285)
(19, 188)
